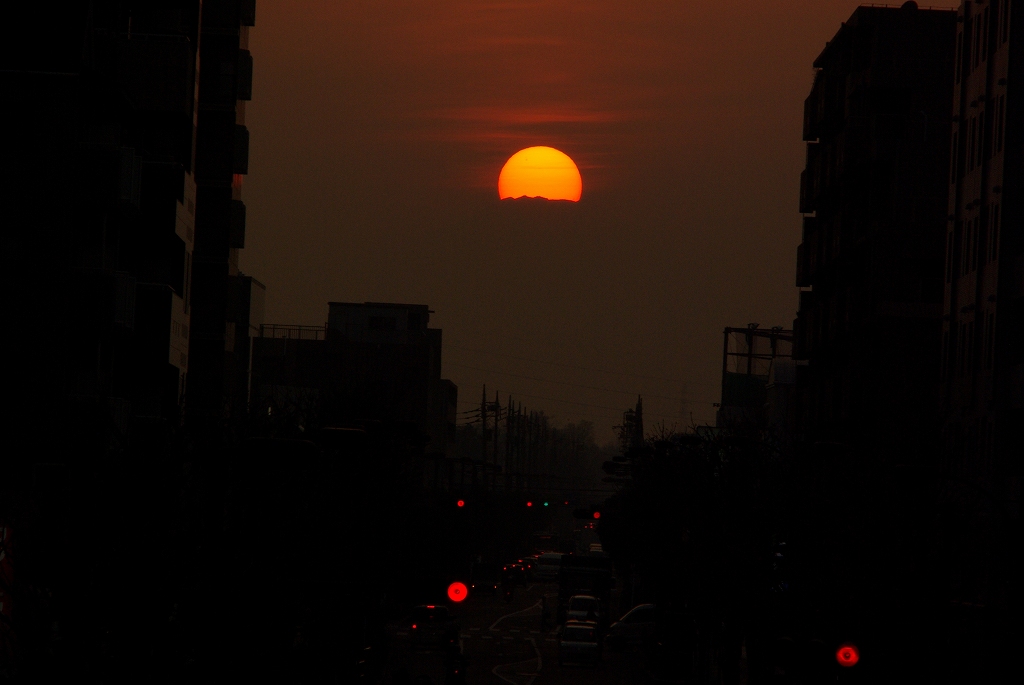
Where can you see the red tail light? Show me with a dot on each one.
(847, 655)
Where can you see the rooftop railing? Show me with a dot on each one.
(291, 332)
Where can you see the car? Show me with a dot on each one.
(636, 627)
(578, 643)
(514, 573)
(547, 566)
(529, 563)
(583, 608)
(484, 577)
(432, 626)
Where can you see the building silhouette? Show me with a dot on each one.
(982, 373)
(100, 170)
(867, 335)
(100, 173)
(873, 196)
(375, 366)
(751, 361)
(126, 166)
(227, 305)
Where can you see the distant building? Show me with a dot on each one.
(372, 365)
(982, 373)
(749, 356)
(873, 196)
(223, 311)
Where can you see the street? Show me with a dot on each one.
(505, 643)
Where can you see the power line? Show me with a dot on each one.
(575, 385)
(569, 366)
(585, 404)
(617, 410)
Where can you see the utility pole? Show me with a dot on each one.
(483, 433)
(520, 429)
(508, 445)
(497, 416)
(496, 408)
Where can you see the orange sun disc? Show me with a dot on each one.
(540, 172)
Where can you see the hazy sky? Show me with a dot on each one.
(379, 128)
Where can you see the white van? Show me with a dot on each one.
(547, 566)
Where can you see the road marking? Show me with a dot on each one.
(540, 662)
(514, 613)
(521, 672)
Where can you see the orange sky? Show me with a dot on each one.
(379, 128)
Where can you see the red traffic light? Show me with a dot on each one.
(461, 503)
(457, 591)
(529, 504)
(597, 514)
(847, 655)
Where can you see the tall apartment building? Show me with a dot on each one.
(99, 102)
(225, 300)
(101, 111)
(982, 389)
(873, 196)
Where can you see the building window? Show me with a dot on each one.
(962, 341)
(990, 325)
(972, 245)
(972, 129)
(944, 356)
(971, 356)
(1006, 21)
(975, 244)
(977, 42)
(979, 139)
(1000, 122)
(965, 247)
(993, 232)
(984, 36)
(959, 55)
(949, 257)
(954, 157)
(991, 351)
(976, 238)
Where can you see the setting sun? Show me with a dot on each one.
(540, 172)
